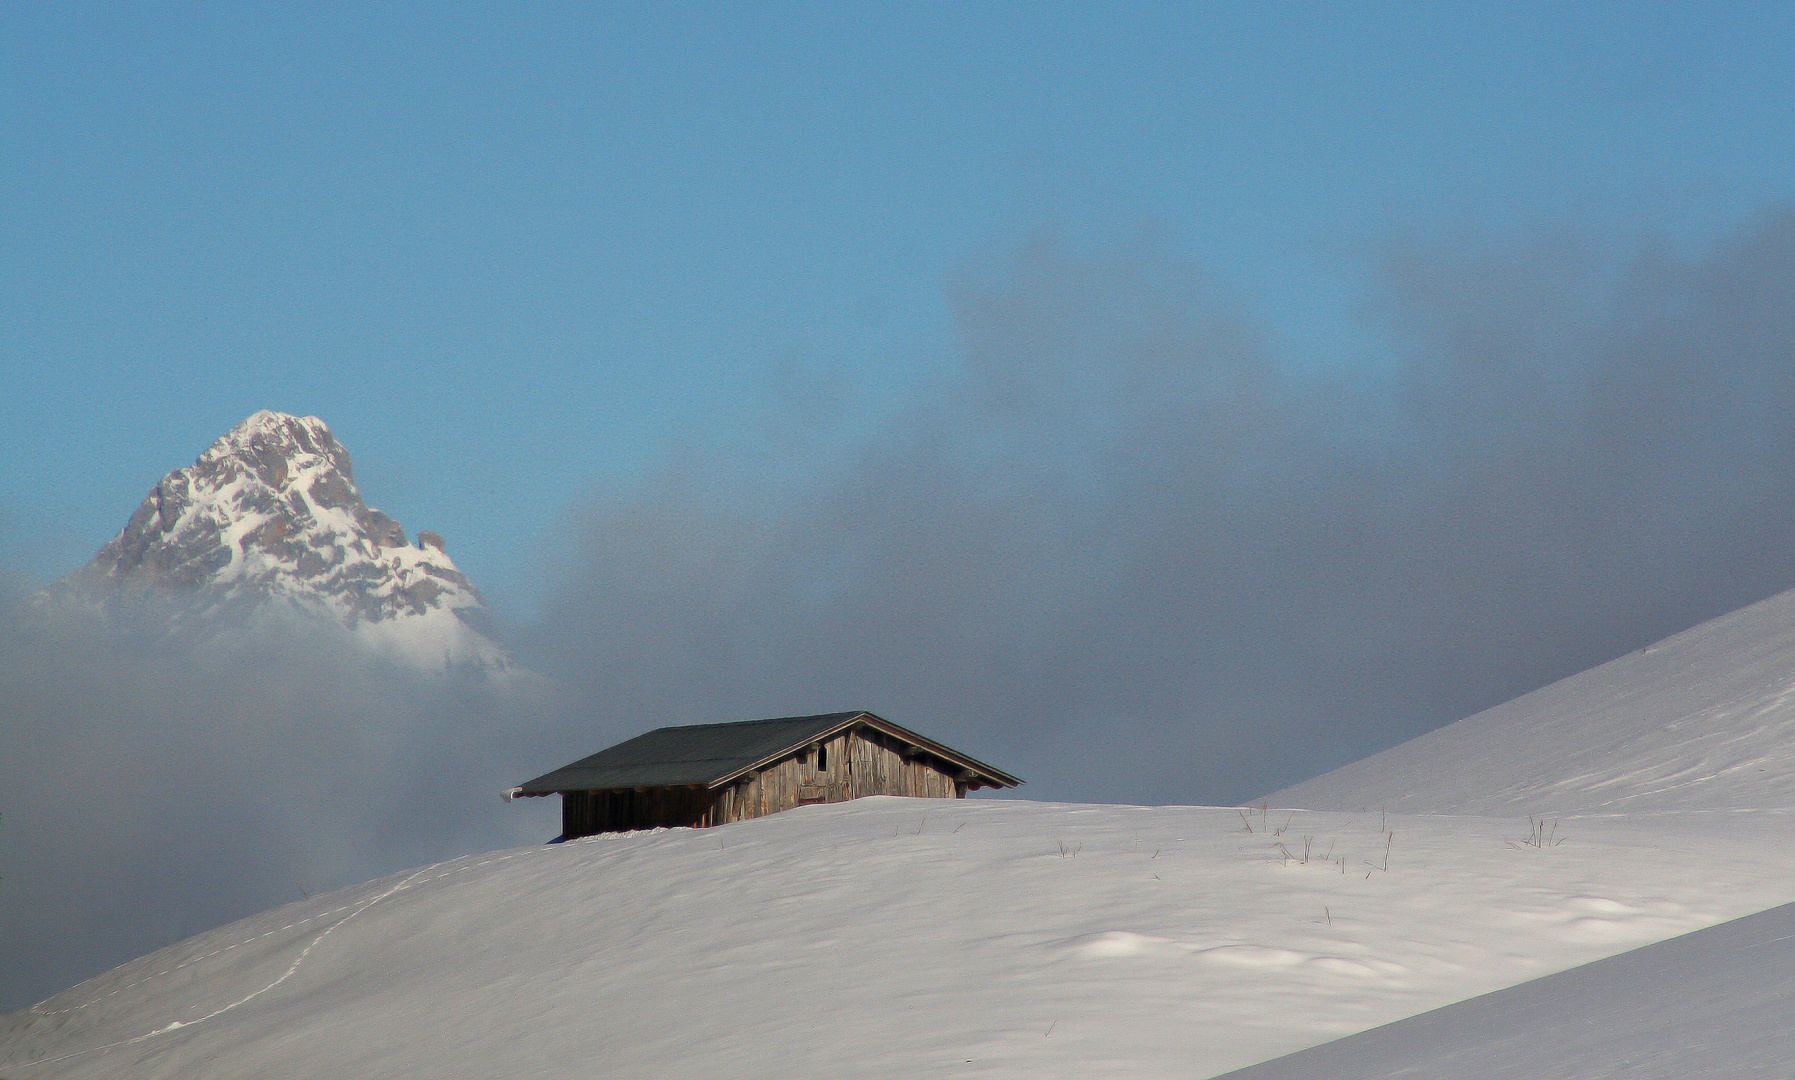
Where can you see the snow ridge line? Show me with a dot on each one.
(292, 968)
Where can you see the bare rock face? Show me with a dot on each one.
(268, 518)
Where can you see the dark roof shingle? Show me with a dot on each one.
(704, 755)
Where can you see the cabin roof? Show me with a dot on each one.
(712, 755)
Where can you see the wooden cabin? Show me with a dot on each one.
(711, 774)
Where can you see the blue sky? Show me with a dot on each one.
(526, 258)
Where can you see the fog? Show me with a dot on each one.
(153, 790)
(1130, 549)
(1131, 552)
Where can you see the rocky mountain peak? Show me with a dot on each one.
(268, 517)
(268, 442)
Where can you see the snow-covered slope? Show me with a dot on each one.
(1702, 720)
(267, 523)
(906, 938)
(1718, 1003)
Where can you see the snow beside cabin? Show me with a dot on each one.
(908, 938)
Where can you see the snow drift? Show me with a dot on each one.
(904, 938)
(1716, 1003)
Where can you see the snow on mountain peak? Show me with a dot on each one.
(268, 519)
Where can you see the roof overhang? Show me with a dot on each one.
(966, 769)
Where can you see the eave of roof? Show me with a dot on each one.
(715, 755)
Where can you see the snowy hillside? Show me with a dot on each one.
(1718, 1003)
(1704, 720)
(267, 523)
(907, 938)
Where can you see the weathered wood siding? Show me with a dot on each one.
(586, 812)
(847, 766)
(796, 781)
(881, 768)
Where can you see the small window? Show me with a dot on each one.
(822, 759)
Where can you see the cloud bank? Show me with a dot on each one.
(153, 790)
(1133, 553)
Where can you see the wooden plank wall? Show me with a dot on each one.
(880, 768)
(854, 763)
(584, 813)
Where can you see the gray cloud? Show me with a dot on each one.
(1131, 553)
(1126, 550)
